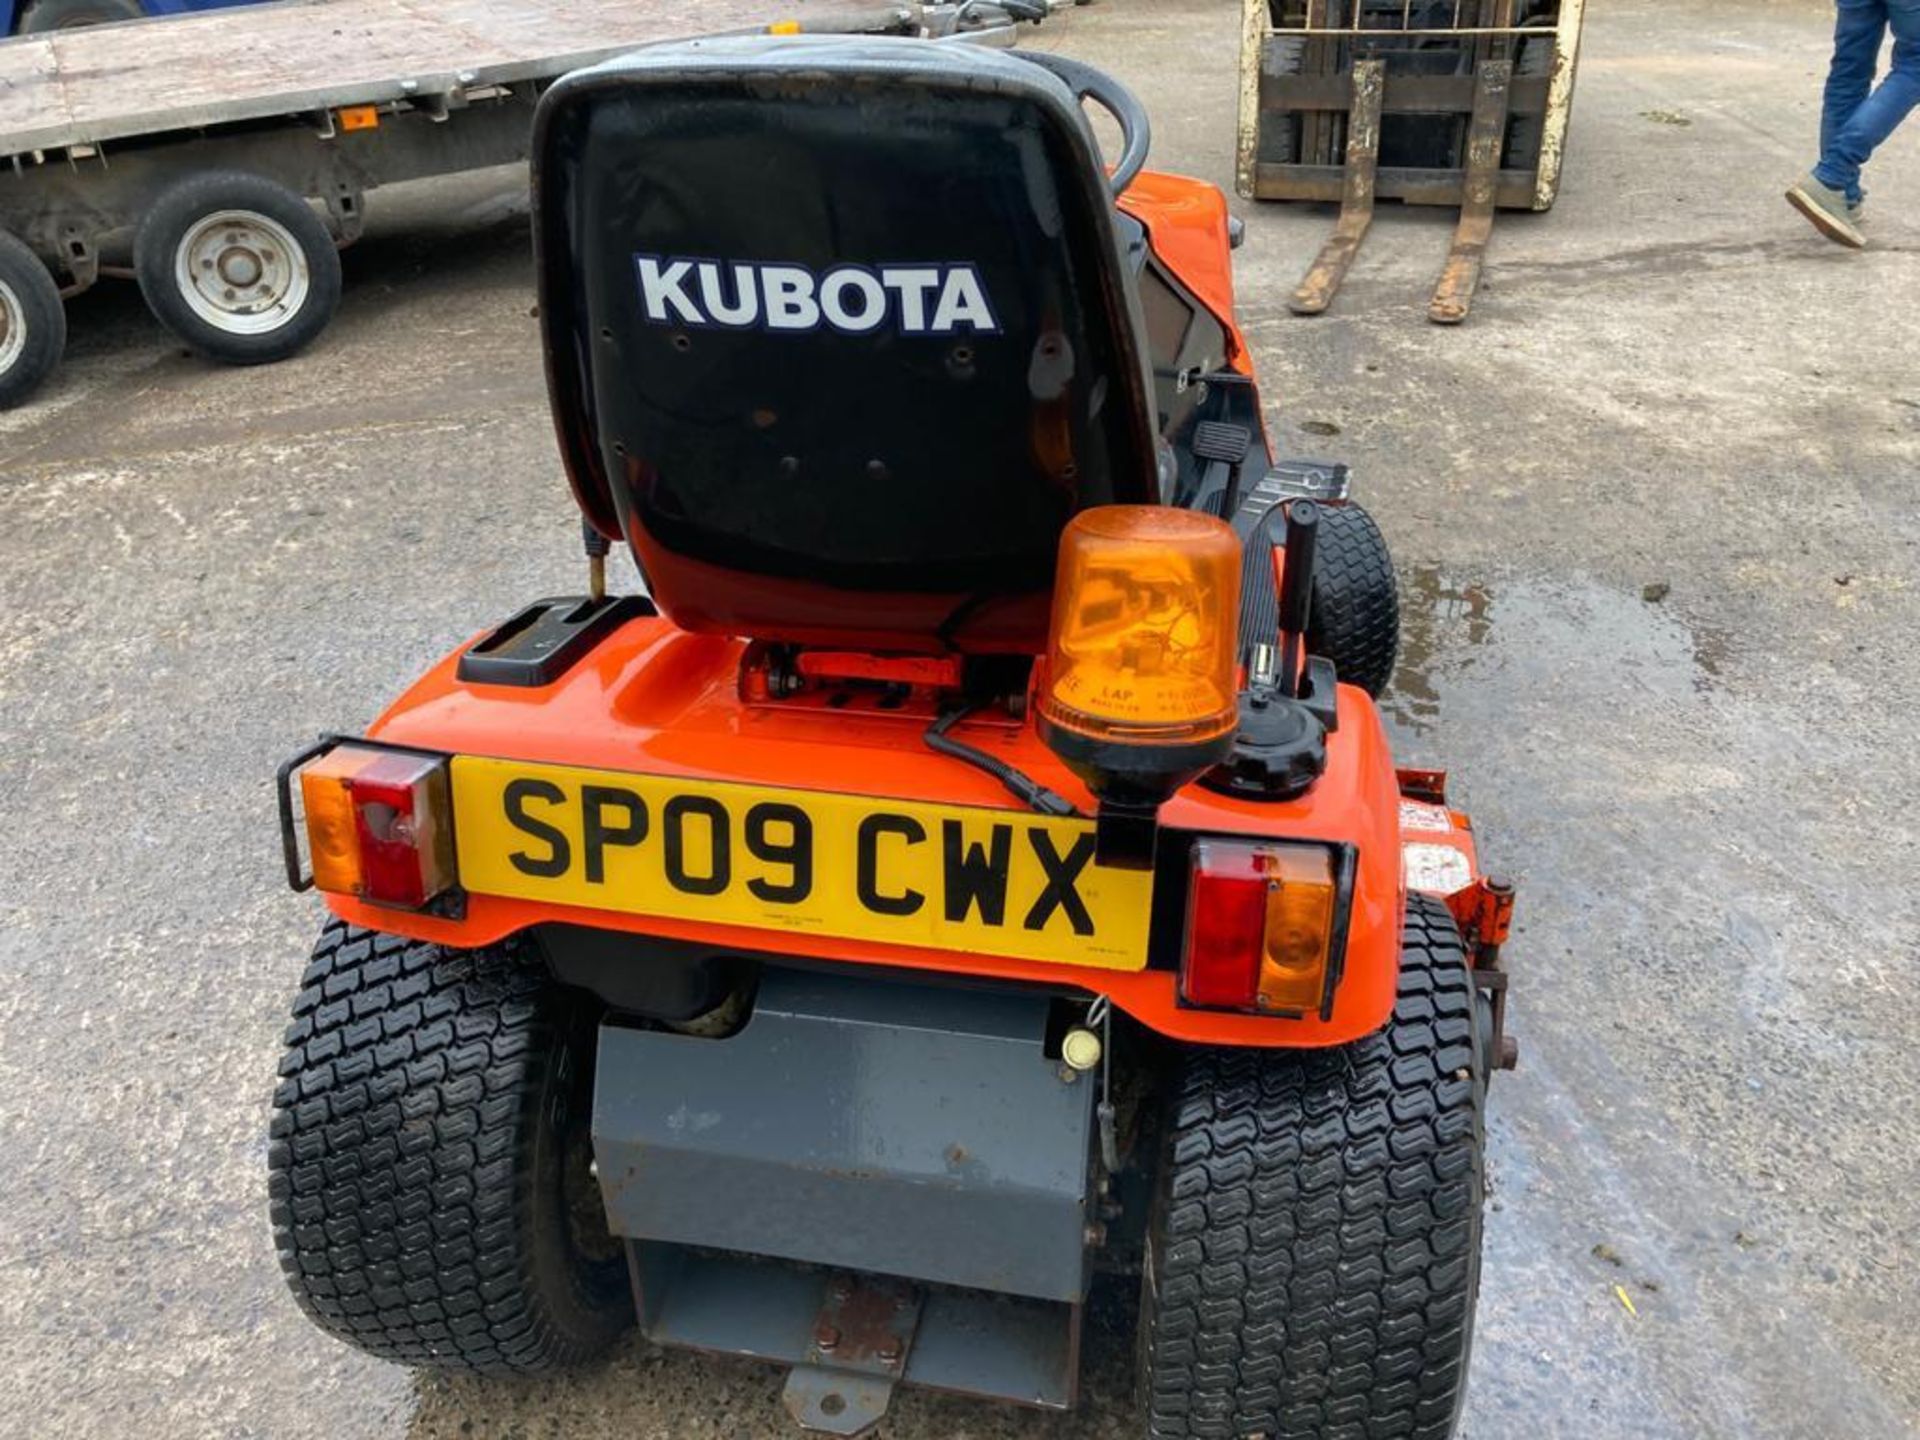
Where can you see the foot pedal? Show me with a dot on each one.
(861, 1340)
(1218, 440)
(1224, 447)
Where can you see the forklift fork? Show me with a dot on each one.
(1453, 296)
(1486, 137)
(1323, 281)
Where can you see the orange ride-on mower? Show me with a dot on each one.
(967, 871)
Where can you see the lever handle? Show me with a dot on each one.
(1296, 590)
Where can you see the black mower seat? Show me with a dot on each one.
(838, 332)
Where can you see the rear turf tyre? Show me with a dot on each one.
(33, 322)
(1355, 618)
(44, 15)
(431, 1200)
(237, 266)
(1314, 1251)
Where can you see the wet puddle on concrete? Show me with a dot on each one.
(1463, 639)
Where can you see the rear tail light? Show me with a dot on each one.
(1261, 921)
(379, 825)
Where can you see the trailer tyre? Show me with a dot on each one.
(44, 15)
(1314, 1253)
(1355, 617)
(33, 322)
(428, 1159)
(237, 266)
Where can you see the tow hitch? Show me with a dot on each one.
(859, 1350)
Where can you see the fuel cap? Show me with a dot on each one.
(1278, 752)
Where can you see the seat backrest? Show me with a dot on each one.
(838, 333)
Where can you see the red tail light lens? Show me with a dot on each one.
(1226, 922)
(1260, 926)
(379, 825)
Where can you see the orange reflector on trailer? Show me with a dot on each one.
(784, 27)
(359, 117)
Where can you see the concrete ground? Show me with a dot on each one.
(1654, 508)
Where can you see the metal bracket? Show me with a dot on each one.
(1484, 913)
(81, 259)
(298, 876)
(347, 207)
(1453, 296)
(1324, 482)
(835, 1402)
(1323, 280)
(858, 1353)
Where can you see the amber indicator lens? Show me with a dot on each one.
(1146, 610)
(1299, 930)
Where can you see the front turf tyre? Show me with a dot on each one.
(428, 1165)
(1355, 617)
(1314, 1251)
(237, 266)
(33, 322)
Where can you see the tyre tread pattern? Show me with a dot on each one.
(44, 316)
(400, 1149)
(1320, 1226)
(1355, 619)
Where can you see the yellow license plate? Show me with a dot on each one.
(947, 877)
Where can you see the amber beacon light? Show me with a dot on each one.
(1141, 688)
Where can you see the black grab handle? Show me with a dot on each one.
(1088, 82)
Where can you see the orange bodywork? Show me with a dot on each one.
(654, 700)
(1188, 221)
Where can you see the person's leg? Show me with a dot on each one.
(1857, 33)
(1849, 79)
(1880, 114)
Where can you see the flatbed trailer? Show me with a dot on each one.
(190, 154)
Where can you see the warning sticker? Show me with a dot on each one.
(1436, 869)
(1419, 815)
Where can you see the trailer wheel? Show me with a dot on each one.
(237, 266)
(1314, 1252)
(33, 322)
(428, 1165)
(44, 15)
(1355, 617)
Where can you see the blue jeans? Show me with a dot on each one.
(1855, 122)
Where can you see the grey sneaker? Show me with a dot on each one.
(1829, 212)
